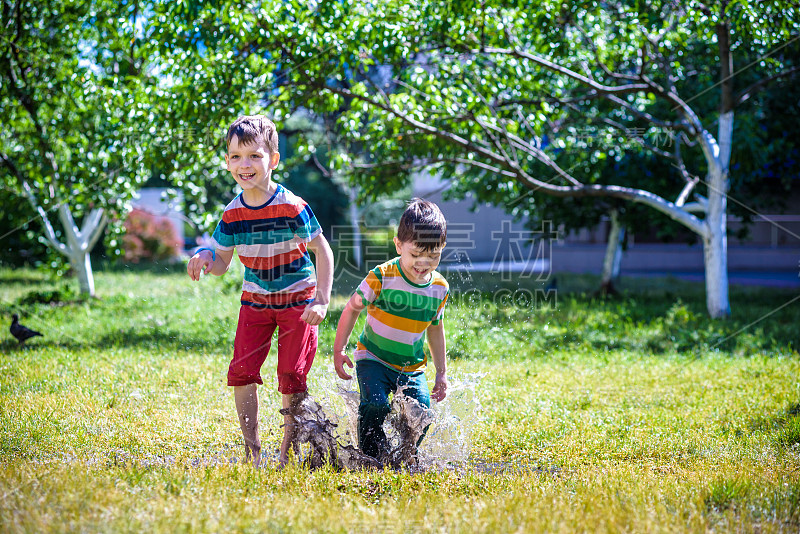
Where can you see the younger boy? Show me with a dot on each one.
(404, 298)
(272, 231)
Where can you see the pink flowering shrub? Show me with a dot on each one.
(149, 237)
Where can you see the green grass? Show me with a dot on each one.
(632, 414)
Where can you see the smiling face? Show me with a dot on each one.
(251, 166)
(416, 262)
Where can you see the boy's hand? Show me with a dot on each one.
(339, 359)
(203, 262)
(314, 313)
(439, 391)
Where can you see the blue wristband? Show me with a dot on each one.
(213, 252)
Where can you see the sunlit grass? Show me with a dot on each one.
(635, 414)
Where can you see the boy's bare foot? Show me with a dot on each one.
(253, 455)
(246, 398)
(290, 402)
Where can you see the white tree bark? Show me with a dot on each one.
(355, 215)
(79, 241)
(715, 239)
(613, 257)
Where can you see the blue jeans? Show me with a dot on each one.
(376, 381)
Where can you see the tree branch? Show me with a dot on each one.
(502, 131)
(422, 163)
(533, 184)
(98, 220)
(552, 100)
(576, 188)
(696, 127)
(49, 232)
(687, 189)
(599, 87)
(691, 180)
(745, 95)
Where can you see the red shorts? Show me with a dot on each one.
(297, 346)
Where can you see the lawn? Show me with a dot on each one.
(631, 414)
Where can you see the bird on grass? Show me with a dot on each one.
(20, 332)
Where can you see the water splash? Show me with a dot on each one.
(449, 440)
(409, 419)
(326, 429)
(317, 429)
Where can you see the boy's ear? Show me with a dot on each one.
(274, 158)
(397, 244)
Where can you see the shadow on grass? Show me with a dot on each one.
(147, 339)
(10, 345)
(165, 267)
(21, 278)
(784, 427)
(161, 339)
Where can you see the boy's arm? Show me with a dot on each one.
(315, 312)
(437, 344)
(207, 263)
(347, 321)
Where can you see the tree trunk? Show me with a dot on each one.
(715, 237)
(354, 224)
(80, 242)
(715, 250)
(613, 257)
(81, 263)
(715, 240)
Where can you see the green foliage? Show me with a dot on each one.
(307, 172)
(766, 162)
(466, 92)
(18, 233)
(377, 244)
(77, 102)
(97, 98)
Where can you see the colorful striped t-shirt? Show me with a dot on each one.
(398, 313)
(271, 243)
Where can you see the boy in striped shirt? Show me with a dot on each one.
(404, 299)
(272, 231)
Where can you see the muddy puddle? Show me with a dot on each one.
(326, 428)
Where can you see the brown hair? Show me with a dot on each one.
(254, 129)
(423, 224)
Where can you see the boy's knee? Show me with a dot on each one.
(241, 376)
